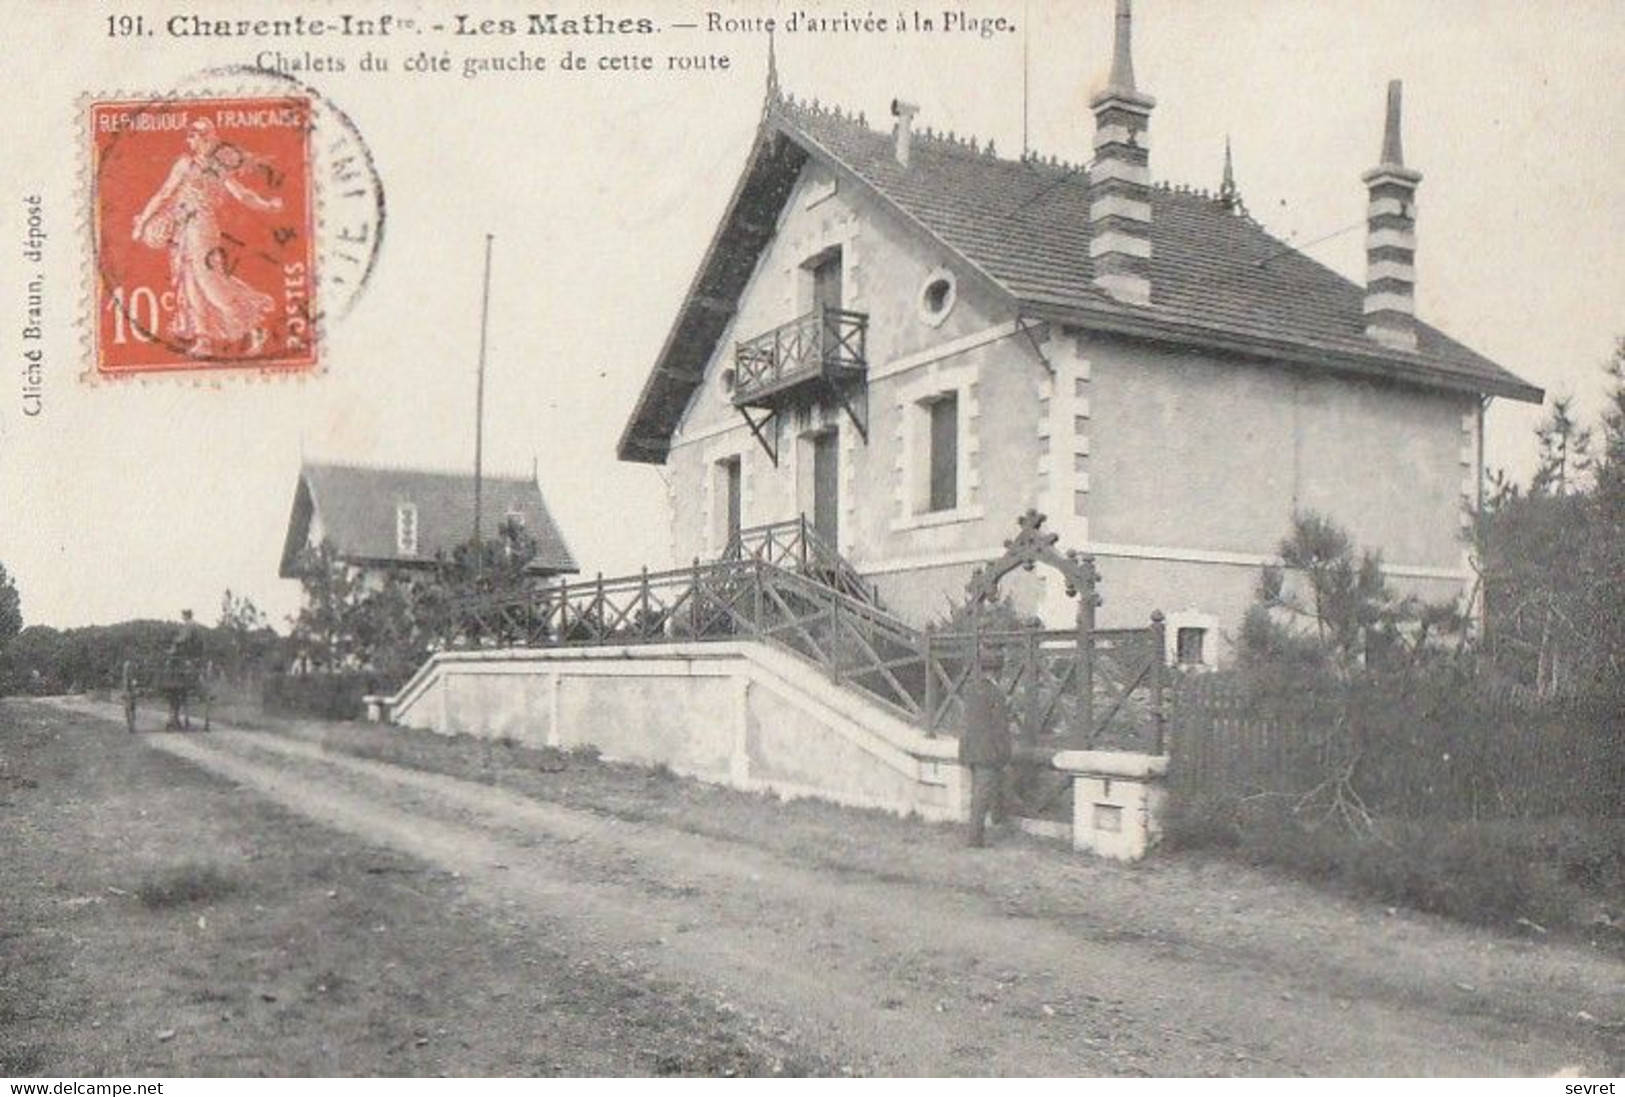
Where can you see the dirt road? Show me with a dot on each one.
(913, 956)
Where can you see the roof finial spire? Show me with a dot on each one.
(1393, 150)
(772, 69)
(1122, 49)
(1229, 196)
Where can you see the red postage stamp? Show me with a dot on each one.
(203, 222)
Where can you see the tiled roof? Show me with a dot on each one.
(356, 508)
(1219, 280)
(1025, 223)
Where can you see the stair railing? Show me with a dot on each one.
(797, 546)
(920, 676)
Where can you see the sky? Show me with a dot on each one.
(602, 189)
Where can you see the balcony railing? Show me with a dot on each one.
(827, 343)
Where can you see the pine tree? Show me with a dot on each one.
(11, 609)
(1554, 556)
(1565, 451)
(324, 630)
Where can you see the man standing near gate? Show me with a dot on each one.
(984, 748)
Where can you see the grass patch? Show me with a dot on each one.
(186, 884)
(1559, 874)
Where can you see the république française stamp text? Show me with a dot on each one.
(203, 220)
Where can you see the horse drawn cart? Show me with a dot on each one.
(179, 681)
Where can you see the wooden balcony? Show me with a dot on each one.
(827, 345)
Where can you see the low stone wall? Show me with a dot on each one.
(739, 714)
(745, 715)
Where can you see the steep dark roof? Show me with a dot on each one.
(1219, 280)
(357, 510)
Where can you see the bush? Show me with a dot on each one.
(1463, 871)
(318, 696)
(45, 660)
(1197, 821)
(1350, 746)
(1555, 873)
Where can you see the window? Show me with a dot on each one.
(937, 296)
(406, 529)
(513, 532)
(943, 486)
(1272, 583)
(937, 475)
(825, 277)
(733, 488)
(727, 500)
(1189, 644)
(826, 485)
(1192, 640)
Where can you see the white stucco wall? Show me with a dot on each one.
(1197, 464)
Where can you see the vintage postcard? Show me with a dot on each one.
(1027, 538)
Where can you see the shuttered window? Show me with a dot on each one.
(406, 529)
(944, 493)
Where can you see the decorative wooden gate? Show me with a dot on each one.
(1046, 683)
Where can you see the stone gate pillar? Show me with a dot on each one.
(1118, 799)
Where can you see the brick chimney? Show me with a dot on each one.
(1390, 249)
(1120, 177)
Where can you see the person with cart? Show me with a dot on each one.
(181, 667)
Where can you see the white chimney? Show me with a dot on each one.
(1120, 176)
(903, 130)
(1390, 286)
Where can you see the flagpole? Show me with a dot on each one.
(479, 410)
(1026, 20)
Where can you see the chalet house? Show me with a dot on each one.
(912, 340)
(387, 520)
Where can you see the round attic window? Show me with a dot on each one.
(937, 296)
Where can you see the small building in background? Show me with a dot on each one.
(388, 521)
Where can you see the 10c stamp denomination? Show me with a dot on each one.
(203, 221)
